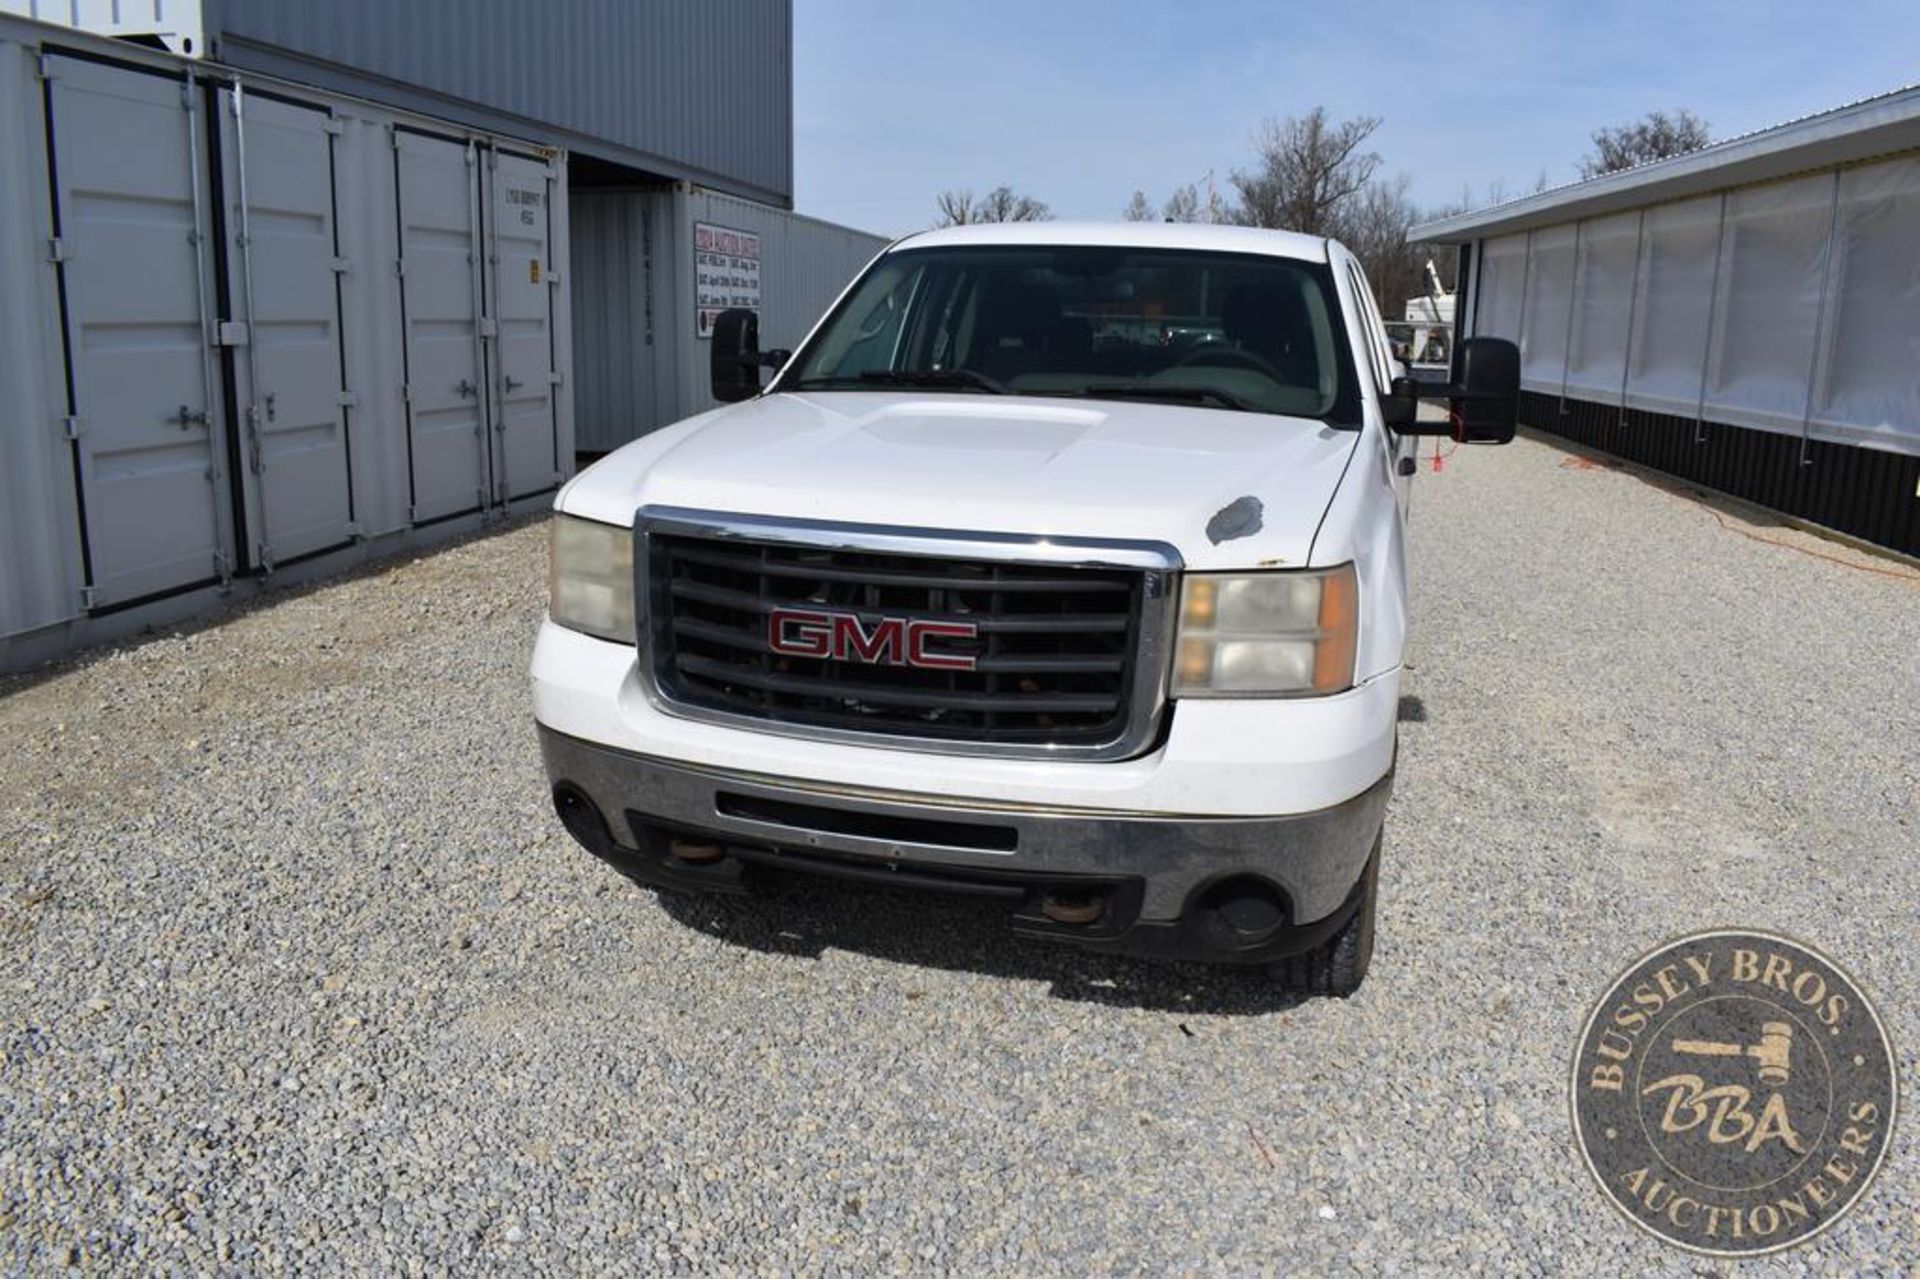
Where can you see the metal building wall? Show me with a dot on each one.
(1761, 341)
(640, 362)
(700, 90)
(251, 333)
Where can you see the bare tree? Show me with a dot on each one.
(1654, 136)
(1138, 210)
(1190, 204)
(1307, 169)
(1374, 224)
(1183, 205)
(1002, 204)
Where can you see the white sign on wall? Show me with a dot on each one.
(726, 273)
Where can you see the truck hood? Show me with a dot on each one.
(1226, 489)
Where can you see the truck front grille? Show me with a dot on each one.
(1055, 654)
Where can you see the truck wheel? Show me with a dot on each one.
(1339, 964)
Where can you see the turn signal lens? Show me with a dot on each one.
(1267, 634)
(590, 578)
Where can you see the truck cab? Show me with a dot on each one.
(1062, 565)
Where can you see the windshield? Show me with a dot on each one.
(1216, 330)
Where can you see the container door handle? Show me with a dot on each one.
(466, 389)
(187, 418)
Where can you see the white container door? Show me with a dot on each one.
(520, 295)
(149, 439)
(278, 176)
(438, 187)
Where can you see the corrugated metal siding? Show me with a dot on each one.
(696, 89)
(638, 363)
(804, 264)
(620, 314)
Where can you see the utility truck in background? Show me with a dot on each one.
(1059, 565)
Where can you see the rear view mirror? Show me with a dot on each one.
(1486, 400)
(735, 357)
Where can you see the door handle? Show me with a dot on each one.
(270, 408)
(514, 384)
(187, 418)
(466, 389)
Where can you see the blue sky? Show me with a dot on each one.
(1079, 102)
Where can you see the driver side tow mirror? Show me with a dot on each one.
(735, 360)
(1484, 405)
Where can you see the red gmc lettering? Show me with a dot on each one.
(851, 642)
(917, 654)
(891, 641)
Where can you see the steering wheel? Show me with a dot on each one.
(1222, 354)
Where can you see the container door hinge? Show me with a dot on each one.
(57, 250)
(231, 333)
(347, 399)
(352, 529)
(400, 266)
(556, 379)
(393, 137)
(264, 553)
(342, 266)
(222, 567)
(89, 596)
(70, 427)
(333, 127)
(489, 327)
(43, 67)
(406, 393)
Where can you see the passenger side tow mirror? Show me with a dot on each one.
(735, 360)
(1484, 404)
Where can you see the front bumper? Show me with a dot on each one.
(1169, 884)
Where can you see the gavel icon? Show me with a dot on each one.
(1773, 1052)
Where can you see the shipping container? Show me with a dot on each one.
(666, 261)
(250, 331)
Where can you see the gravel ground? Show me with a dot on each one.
(302, 973)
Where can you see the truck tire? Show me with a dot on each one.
(1339, 964)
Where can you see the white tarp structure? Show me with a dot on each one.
(1790, 306)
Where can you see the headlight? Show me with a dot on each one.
(1267, 634)
(590, 578)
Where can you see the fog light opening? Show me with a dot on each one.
(582, 819)
(1244, 907)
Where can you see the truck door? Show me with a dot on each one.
(1383, 369)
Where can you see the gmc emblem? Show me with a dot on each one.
(890, 641)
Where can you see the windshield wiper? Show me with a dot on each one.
(935, 379)
(1178, 394)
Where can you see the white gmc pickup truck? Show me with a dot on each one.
(1059, 564)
